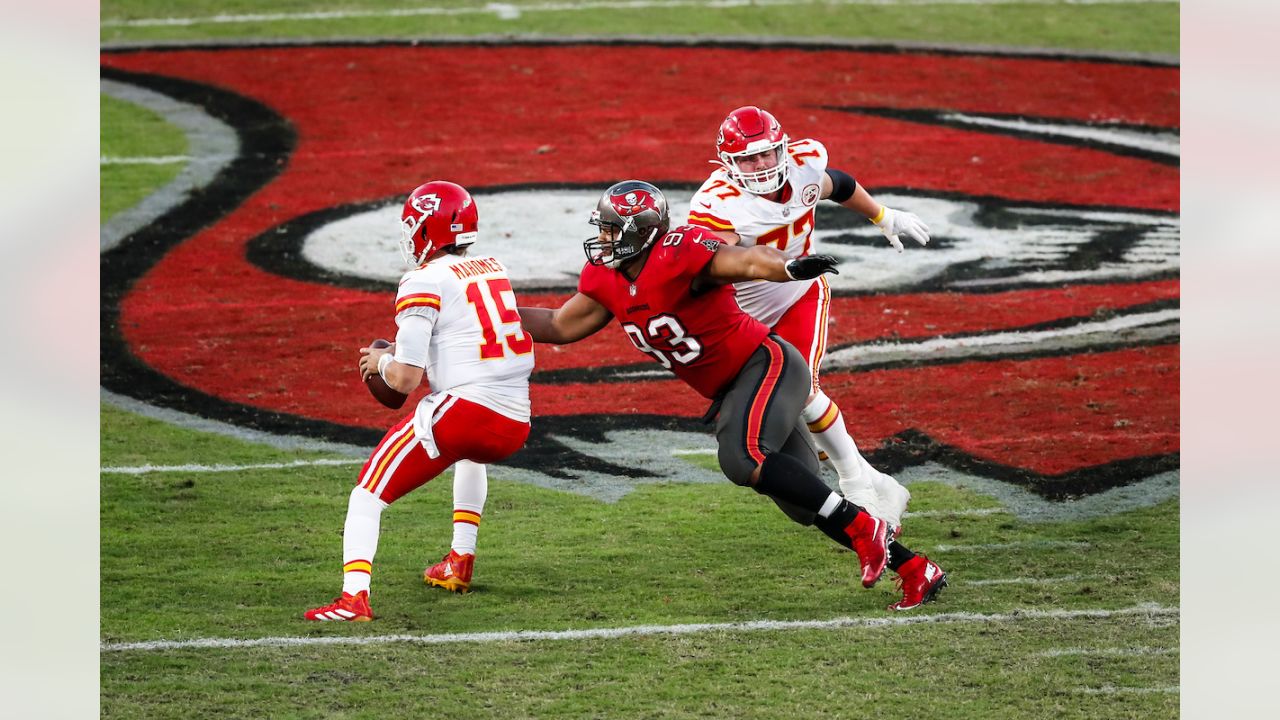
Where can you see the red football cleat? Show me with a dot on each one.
(453, 573)
(920, 580)
(871, 541)
(348, 608)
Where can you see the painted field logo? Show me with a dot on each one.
(1030, 351)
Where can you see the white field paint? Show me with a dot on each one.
(1159, 324)
(508, 11)
(1031, 580)
(365, 244)
(145, 469)
(972, 512)
(1113, 690)
(152, 160)
(1165, 143)
(211, 146)
(1146, 609)
(1108, 652)
(1035, 544)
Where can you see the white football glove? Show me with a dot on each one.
(900, 222)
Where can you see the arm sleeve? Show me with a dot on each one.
(417, 296)
(842, 185)
(413, 339)
(696, 250)
(708, 211)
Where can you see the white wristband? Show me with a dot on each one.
(383, 362)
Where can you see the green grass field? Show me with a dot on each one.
(1134, 27)
(240, 555)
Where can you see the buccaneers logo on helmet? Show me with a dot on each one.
(633, 202)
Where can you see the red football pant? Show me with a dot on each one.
(463, 431)
(804, 326)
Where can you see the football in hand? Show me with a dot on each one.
(379, 388)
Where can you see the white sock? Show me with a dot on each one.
(891, 494)
(470, 490)
(360, 540)
(826, 425)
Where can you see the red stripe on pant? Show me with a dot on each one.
(462, 430)
(755, 416)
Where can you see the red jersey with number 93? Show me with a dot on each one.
(704, 338)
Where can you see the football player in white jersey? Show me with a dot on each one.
(458, 327)
(765, 193)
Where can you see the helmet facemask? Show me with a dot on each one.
(621, 242)
(409, 227)
(763, 181)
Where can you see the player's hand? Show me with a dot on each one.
(809, 267)
(368, 364)
(901, 222)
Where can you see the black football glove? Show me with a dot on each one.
(808, 268)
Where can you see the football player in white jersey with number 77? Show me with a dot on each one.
(457, 325)
(765, 193)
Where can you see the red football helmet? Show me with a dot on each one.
(436, 215)
(753, 135)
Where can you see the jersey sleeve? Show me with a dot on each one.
(708, 209)
(809, 152)
(418, 295)
(685, 259)
(413, 340)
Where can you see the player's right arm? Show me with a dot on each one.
(761, 262)
(579, 317)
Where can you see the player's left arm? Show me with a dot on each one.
(398, 369)
(840, 187)
(732, 263)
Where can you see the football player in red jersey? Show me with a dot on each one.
(765, 192)
(671, 292)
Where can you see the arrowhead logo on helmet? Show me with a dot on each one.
(427, 204)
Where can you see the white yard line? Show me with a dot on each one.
(1113, 690)
(639, 630)
(1037, 544)
(1108, 652)
(152, 160)
(144, 469)
(508, 11)
(1031, 580)
(964, 513)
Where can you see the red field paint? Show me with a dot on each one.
(374, 121)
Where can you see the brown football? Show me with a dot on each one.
(378, 387)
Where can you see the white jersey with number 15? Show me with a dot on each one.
(478, 350)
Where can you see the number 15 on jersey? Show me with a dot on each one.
(500, 309)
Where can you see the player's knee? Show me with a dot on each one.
(364, 498)
(739, 469)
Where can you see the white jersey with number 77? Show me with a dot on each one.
(722, 205)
